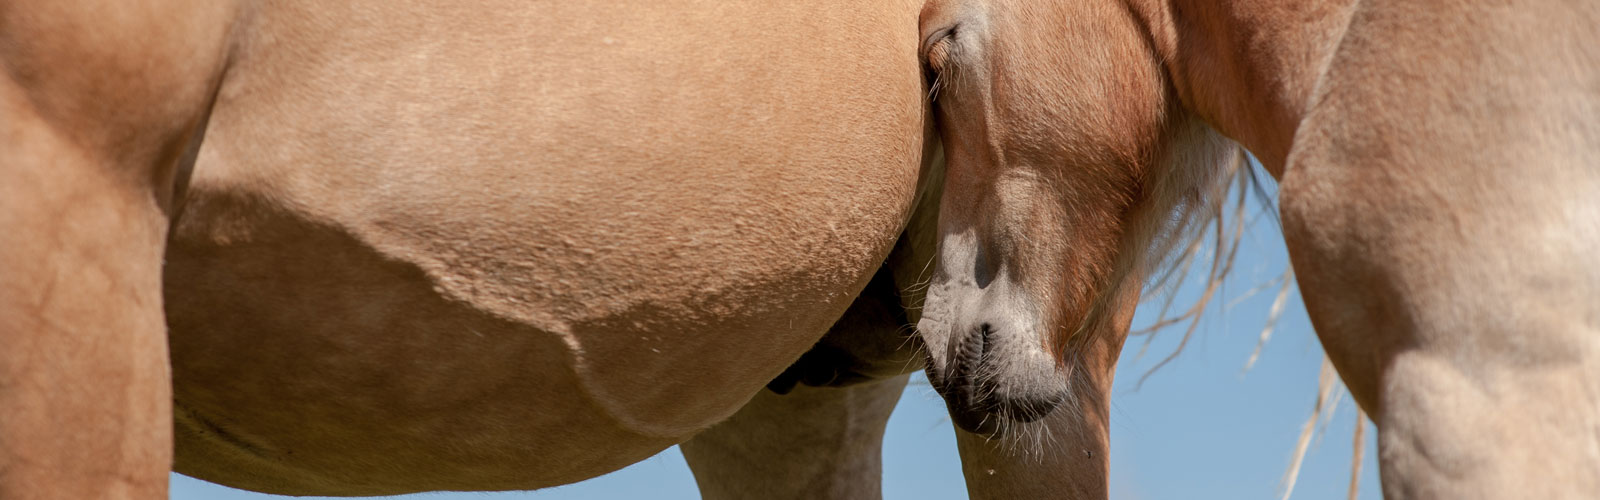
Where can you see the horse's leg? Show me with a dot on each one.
(815, 442)
(1444, 231)
(97, 102)
(818, 433)
(1063, 455)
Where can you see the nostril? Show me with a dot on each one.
(962, 381)
(984, 352)
(978, 337)
(982, 269)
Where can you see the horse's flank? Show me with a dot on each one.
(656, 223)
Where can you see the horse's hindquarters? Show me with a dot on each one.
(429, 247)
(1443, 231)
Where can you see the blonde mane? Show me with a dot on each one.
(1183, 198)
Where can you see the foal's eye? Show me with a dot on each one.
(939, 54)
(937, 49)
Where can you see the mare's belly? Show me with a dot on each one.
(508, 247)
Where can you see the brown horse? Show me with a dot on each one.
(1438, 195)
(417, 245)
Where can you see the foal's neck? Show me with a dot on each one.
(1248, 67)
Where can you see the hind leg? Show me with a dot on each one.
(97, 100)
(1475, 351)
(1445, 248)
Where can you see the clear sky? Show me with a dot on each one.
(1199, 429)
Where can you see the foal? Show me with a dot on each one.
(1450, 287)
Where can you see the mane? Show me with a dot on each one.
(1213, 212)
(1200, 187)
(1196, 192)
(1183, 200)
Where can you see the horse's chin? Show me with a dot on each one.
(995, 418)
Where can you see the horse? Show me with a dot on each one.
(382, 247)
(1446, 281)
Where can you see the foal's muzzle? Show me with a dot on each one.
(982, 391)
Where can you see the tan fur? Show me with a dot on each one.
(96, 101)
(1436, 161)
(636, 213)
(1446, 248)
(416, 229)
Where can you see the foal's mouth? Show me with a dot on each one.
(979, 390)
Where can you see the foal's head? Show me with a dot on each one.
(1070, 167)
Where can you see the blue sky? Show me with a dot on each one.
(1198, 429)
